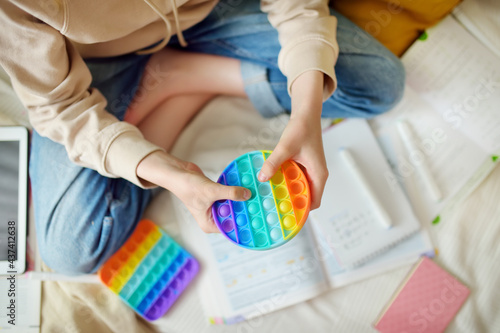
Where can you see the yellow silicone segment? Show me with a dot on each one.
(127, 270)
(282, 227)
(138, 244)
(299, 193)
(116, 284)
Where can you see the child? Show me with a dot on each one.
(110, 85)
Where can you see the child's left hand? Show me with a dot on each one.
(301, 140)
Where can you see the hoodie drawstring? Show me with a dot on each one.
(182, 41)
(168, 27)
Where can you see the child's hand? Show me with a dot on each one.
(189, 184)
(199, 193)
(301, 140)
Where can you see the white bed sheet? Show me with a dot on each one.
(467, 241)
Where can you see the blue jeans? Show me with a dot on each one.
(82, 217)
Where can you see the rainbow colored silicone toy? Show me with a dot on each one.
(149, 271)
(276, 211)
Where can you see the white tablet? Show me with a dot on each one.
(13, 198)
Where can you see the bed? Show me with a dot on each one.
(466, 239)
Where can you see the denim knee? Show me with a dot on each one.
(89, 223)
(62, 253)
(367, 86)
(392, 82)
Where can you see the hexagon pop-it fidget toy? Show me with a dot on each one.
(276, 211)
(149, 271)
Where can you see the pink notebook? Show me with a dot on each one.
(426, 302)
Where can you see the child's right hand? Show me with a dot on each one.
(190, 185)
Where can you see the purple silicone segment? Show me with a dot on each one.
(224, 222)
(224, 210)
(174, 289)
(233, 221)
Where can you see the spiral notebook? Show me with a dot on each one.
(347, 217)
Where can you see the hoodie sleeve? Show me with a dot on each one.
(53, 82)
(307, 34)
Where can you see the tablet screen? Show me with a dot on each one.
(9, 194)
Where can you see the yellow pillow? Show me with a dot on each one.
(395, 23)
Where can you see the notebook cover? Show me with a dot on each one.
(426, 302)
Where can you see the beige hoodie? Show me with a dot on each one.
(43, 42)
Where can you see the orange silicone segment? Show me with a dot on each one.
(112, 267)
(298, 190)
(128, 269)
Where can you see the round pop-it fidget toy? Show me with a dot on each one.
(276, 211)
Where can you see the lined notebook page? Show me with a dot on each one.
(459, 77)
(347, 217)
(453, 89)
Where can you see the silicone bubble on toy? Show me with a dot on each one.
(276, 211)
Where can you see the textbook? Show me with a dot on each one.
(348, 217)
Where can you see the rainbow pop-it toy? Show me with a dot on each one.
(149, 271)
(276, 211)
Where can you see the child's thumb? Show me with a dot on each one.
(271, 165)
(235, 193)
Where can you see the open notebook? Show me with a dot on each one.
(451, 102)
(236, 284)
(347, 217)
